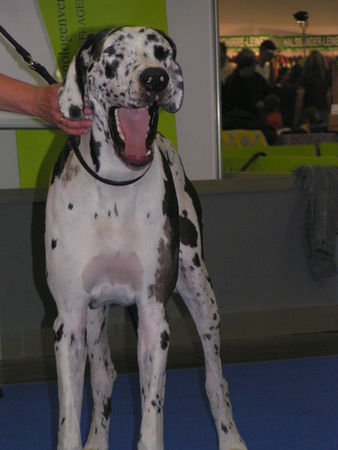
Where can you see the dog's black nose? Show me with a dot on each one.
(154, 79)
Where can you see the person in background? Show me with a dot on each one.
(314, 91)
(226, 67)
(287, 94)
(245, 89)
(21, 97)
(264, 67)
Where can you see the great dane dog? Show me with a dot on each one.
(126, 244)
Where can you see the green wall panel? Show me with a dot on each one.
(37, 153)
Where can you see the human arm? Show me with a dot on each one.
(21, 97)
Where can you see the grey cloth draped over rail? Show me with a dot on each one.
(320, 218)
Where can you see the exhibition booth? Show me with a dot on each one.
(245, 214)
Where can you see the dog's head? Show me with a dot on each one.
(127, 75)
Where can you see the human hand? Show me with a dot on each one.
(47, 107)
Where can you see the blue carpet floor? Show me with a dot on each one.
(278, 405)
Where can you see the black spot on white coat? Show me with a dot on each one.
(152, 37)
(164, 339)
(107, 408)
(224, 428)
(196, 260)
(61, 161)
(110, 50)
(58, 334)
(190, 190)
(75, 112)
(188, 232)
(160, 52)
(166, 275)
(111, 69)
(95, 152)
(116, 212)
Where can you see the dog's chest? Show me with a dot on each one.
(113, 242)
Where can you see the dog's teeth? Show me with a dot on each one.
(118, 125)
(120, 132)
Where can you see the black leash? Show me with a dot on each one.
(43, 72)
(27, 57)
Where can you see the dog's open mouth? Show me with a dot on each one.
(133, 132)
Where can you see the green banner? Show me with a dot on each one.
(285, 44)
(68, 22)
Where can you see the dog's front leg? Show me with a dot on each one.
(70, 350)
(196, 291)
(102, 377)
(153, 343)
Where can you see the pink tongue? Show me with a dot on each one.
(134, 126)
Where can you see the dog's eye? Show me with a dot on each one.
(110, 50)
(160, 52)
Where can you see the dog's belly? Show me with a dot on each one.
(113, 278)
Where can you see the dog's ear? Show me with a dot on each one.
(72, 92)
(170, 42)
(177, 99)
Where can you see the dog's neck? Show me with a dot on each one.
(98, 150)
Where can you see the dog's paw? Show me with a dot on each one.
(94, 447)
(232, 442)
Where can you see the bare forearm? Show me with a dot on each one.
(17, 96)
(20, 97)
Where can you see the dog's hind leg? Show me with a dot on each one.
(195, 288)
(153, 343)
(70, 350)
(102, 377)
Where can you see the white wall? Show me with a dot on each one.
(191, 25)
(32, 35)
